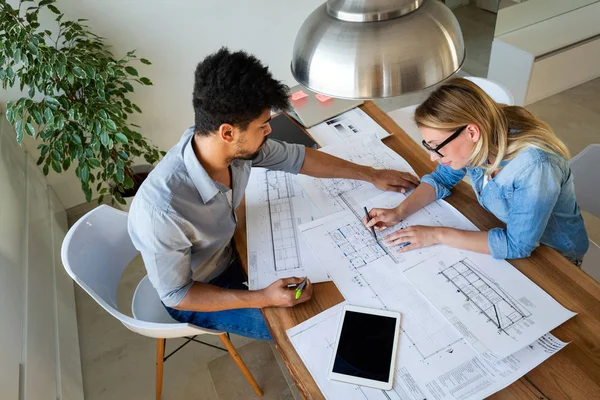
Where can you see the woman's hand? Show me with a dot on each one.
(416, 236)
(382, 218)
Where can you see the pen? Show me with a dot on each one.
(300, 288)
(372, 228)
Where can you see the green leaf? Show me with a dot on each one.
(71, 114)
(110, 169)
(104, 138)
(61, 70)
(53, 9)
(100, 199)
(97, 127)
(9, 72)
(103, 114)
(79, 72)
(31, 91)
(128, 182)
(52, 100)
(45, 169)
(110, 124)
(131, 71)
(32, 48)
(66, 163)
(56, 166)
(121, 138)
(94, 163)
(85, 173)
(29, 129)
(76, 138)
(128, 86)
(90, 71)
(144, 61)
(45, 149)
(120, 198)
(37, 115)
(123, 155)
(19, 129)
(120, 176)
(136, 108)
(55, 155)
(71, 78)
(10, 115)
(48, 116)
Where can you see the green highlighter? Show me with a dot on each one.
(300, 287)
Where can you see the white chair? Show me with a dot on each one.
(95, 252)
(497, 92)
(587, 191)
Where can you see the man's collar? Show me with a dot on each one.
(203, 182)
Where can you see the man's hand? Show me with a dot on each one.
(277, 294)
(394, 181)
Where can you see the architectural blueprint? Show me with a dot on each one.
(275, 206)
(346, 127)
(367, 150)
(470, 376)
(497, 307)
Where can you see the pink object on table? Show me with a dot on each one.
(298, 95)
(322, 97)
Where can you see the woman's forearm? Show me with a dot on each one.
(419, 198)
(476, 241)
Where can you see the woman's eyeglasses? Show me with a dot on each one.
(436, 149)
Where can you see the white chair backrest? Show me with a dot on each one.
(95, 252)
(497, 92)
(146, 304)
(587, 179)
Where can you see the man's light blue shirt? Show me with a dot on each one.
(182, 221)
(534, 195)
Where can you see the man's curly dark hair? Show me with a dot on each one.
(234, 88)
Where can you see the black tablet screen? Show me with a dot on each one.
(365, 348)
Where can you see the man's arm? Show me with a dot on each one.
(206, 297)
(322, 165)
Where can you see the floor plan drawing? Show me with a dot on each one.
(497, 307)
(368, 277)
(494, 304)
(275, 206)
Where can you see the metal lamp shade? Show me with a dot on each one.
(386, 58)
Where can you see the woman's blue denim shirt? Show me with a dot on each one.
(534, 195)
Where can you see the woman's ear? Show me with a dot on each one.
(474, 132)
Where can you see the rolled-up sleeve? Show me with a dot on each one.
(443, 179)
(280, 156)
(166, 252)
(536, 191)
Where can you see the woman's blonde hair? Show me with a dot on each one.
(460, 102)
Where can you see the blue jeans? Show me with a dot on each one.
(247, 322)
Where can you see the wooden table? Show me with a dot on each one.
(572, 373)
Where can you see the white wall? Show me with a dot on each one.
(40, 344)
(175, 36)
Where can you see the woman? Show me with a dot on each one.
(518, 168)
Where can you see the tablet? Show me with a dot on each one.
(366, 346)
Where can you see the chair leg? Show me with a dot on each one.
(240, 363)
(160, 355)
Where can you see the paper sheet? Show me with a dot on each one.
(472, 377)
(497, 307)
(275, 205)
(346, 127)
(365, 151)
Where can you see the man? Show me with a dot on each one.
(183, 217)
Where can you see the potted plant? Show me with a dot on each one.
(77, 102)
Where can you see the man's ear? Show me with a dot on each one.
(474, 132)
(227, 133)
